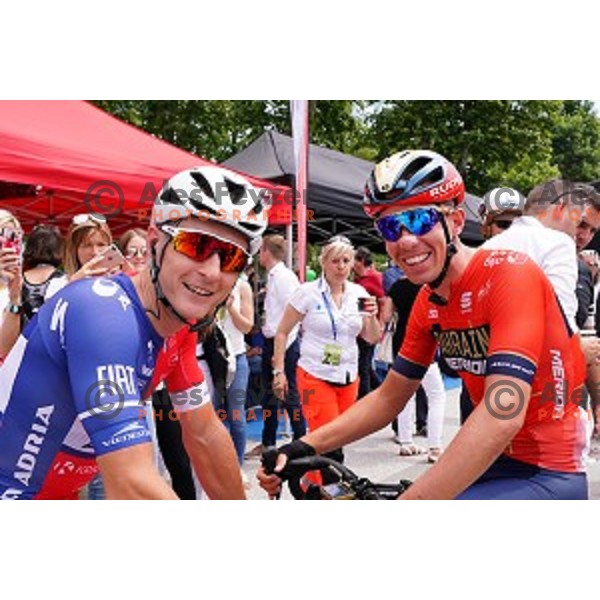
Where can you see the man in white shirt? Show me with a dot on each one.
(281, 285)
(546, 233)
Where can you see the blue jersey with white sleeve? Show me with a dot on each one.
(71, 388)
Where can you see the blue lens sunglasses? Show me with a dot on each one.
(418, 221)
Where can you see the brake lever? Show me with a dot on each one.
(269, 462)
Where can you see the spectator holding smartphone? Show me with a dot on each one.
(87, 239)
(41, 279)
(11, 280)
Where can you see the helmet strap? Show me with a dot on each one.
(451, 250)
(160, 295)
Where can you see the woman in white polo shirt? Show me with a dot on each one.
(328, 309)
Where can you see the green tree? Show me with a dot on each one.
(498, 142)
(214, 129)
(576, 142)
(492, 142)
(217, 129)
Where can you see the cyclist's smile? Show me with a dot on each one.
(198, 291)
(418, 259)
(201, 286)
(421, 258)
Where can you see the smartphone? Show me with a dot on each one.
(362, 305)
(10, 238)
(111, 258)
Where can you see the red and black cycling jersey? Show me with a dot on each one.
(503, 318)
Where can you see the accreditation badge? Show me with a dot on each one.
(332, 355)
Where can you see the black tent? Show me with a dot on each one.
(335, 190)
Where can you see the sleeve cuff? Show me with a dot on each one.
(409, 369)
(511, 365)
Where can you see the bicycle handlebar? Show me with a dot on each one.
(349, 484)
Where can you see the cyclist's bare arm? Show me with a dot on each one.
(387, 310)
(373, 412)
(212, 454)
(478, 443)
(130, 474)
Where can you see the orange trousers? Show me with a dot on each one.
(321, 401)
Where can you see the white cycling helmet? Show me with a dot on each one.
(215, 193)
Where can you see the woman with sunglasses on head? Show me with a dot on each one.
(333, 313)
(11, 280)
(496, 320)
(88, 237)
(78, 375)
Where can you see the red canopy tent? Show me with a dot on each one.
(74, 157)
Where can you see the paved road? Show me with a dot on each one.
(376, 457)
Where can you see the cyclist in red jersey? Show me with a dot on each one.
(495, 319)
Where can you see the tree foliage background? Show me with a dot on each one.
(499, 142)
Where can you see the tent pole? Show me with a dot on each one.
(299, 111)
(289, 236)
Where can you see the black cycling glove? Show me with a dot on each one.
(295, 449)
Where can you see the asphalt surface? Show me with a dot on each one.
(377, 458)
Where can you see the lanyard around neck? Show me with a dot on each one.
(330, 312)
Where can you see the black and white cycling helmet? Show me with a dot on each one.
(215, 193)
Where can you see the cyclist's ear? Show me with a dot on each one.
(153, 234)
(156, 241)
(456, 221)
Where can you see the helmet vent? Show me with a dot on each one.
(203, 184)
(415, 166)
(436, 176)
(170, 196)
(202, 206)
(237, 192)
(254, 227)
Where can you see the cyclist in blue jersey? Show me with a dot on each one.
(72, 386)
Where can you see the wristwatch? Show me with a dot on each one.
(15, 309)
